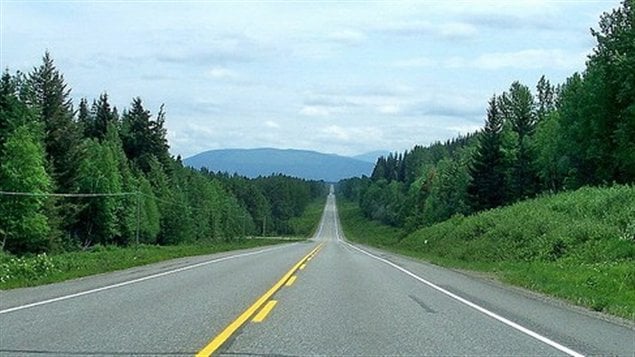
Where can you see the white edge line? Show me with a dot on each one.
(134, 281)
(464, 301)
(474, 306)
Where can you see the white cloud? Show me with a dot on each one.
(272, 124)
(332, 104)
(389, 109)
(419, 62)
(347, 36)
(337, 132)
(465, 128)
(316, 111)
(443, 30)
(222, 73)
(375, 74)
(456, 62)
(455, 30)
(523, 59)
(531, 59)
(351, 134)
(525, 8)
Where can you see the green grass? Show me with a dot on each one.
(18, 272)
(44, 269)
(305, 225)
(579, 246)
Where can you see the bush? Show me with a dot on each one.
(26, 268)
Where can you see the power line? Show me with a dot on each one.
(86, 195)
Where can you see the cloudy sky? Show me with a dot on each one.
(333, 76)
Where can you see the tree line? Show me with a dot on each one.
(72, 178)
(554, 138)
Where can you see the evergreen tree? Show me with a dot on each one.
(13, 113)
(144, 138)
(49, 96)
(7, 106)
(487, 171)
(24, 227)
(518, 108)
(103, 117)
(380, 170)
(252, 198)
(545, 98)
(85, 119)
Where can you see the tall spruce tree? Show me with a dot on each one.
(103, 117)
(518, 108)
(13, 113)
(84, 118)
(487, 171)
(144, 138)
(545, 98)
(49, 96)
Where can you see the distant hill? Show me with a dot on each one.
(371, 156)
(298, 163)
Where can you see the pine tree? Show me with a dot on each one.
(144, 138)
(545, 98)
(12, 111)
(380, 171)
(7, 104)
(487, 172)
(49, 96)
(85, 120)
(518, 108)
(103, 117)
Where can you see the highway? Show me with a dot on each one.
(320, 297)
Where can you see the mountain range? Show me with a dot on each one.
(305, 164)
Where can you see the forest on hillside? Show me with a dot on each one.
(72, 178)
(554, 138)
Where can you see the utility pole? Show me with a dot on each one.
(138, 214)
(264, 223)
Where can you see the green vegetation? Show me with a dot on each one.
(41, 269)
(558, 138)
(578, 245)
(306, 225)
(73, 179)
(471, 202)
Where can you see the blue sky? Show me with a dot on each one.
(337, 77)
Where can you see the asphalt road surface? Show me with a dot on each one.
(321, 297)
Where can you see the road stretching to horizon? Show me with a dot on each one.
(320, 297)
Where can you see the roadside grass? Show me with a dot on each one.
(307, 223)
(16, 272)
(578, 246)
(44, 269)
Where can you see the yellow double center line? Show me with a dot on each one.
(218, 341)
